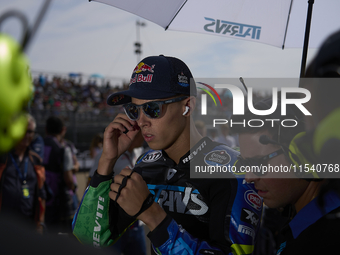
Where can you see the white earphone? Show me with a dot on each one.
(187, 108)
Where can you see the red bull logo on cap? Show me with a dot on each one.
(142, 67)
(141, 78)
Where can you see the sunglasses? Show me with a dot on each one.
(152, 109)
(257, 161)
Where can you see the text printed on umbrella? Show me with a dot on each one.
(232, 28)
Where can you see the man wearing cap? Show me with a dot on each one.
(184, 215)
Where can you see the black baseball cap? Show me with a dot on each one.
(157, 77)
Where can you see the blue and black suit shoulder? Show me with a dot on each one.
(221, 213)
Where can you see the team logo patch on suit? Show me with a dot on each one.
(250, 217)
(194, 152)
(220, 157)
(185, 200)
(253, 199)
(246, 230)
(152, 156)
(171, 173)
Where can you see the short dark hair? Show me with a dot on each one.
(286, 133)
(54, 125)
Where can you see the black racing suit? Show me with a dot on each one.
(220, 216)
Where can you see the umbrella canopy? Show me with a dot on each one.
(97, 75)
(275, 22)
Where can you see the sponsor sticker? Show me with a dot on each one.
(138, 77)
(116, 99)
(152, 156)
(246, 230)
(253, 199)
(171, 173)
(233, 222)
(249, 216)
(141, 78)
(183, 80)
(142, 67)
(194, 152)
(185, 200)
(220, 157)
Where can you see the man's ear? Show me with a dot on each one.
(189, 106)
(187, 109)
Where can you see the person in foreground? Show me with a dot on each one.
(184, 215)
(308, 231)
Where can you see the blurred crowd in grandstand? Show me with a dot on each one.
(59, 94)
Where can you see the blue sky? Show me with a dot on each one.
(90, 37)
